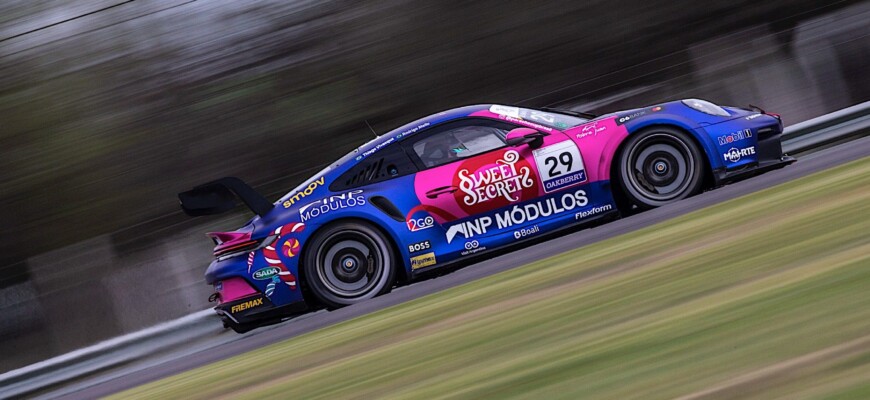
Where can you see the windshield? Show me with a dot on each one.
(547, 118)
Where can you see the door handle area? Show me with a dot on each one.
(442, 190)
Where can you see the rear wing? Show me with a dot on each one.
(220, 195)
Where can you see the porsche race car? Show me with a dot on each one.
(456, 186)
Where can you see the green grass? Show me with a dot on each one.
(765, 296)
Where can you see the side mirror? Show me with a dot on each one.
(528, 136)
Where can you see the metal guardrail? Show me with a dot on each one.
(850, 122)
(837, 126)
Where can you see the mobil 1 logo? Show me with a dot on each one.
(560, 165)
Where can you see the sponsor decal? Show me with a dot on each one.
(472, 247)
(289, 247)
(246, 305)
(542, 116)
(265, 273)
(637, 114)
(502, 180)
(591, 129)
(513, 112)
(412, 130)
(753, 116)
(518, 215)
(423, 260)
(625, 118)
(378, 147)
(592, 211)
(526, 123)
(251, 260)
(735, 154)
(526, 232)
(520, 116)
(219, 286)
(302, 193)
(419, 224)
(419, 246)
(560, 166)
(735, 137)
(320, 207)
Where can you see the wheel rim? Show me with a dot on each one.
(349, 264)
(660, 167)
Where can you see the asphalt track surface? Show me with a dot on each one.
(807, 164)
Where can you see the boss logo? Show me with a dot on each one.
(424, 245)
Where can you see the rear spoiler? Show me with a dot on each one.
(219, 196)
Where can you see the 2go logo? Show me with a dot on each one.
(415, 247)
(418, 224)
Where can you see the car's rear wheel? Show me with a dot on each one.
(660, 165)
(348, 262)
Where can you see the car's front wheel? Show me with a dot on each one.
(660, 165)
(348, 262)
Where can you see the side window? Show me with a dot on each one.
(458, 140)
(390, 162)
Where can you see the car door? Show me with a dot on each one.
(468, 172)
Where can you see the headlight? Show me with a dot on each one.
(706, 107)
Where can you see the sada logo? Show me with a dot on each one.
(265, 273)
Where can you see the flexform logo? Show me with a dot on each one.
(735, 154)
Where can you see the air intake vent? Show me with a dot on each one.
(767, 131)
(370, 172)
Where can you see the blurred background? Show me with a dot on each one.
(108, 108)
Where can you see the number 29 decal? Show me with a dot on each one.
(560, 165)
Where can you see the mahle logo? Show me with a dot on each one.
(265, 273)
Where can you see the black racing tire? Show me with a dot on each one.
(348, 262)
(660, 165)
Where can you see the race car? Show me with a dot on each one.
(458, 185)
